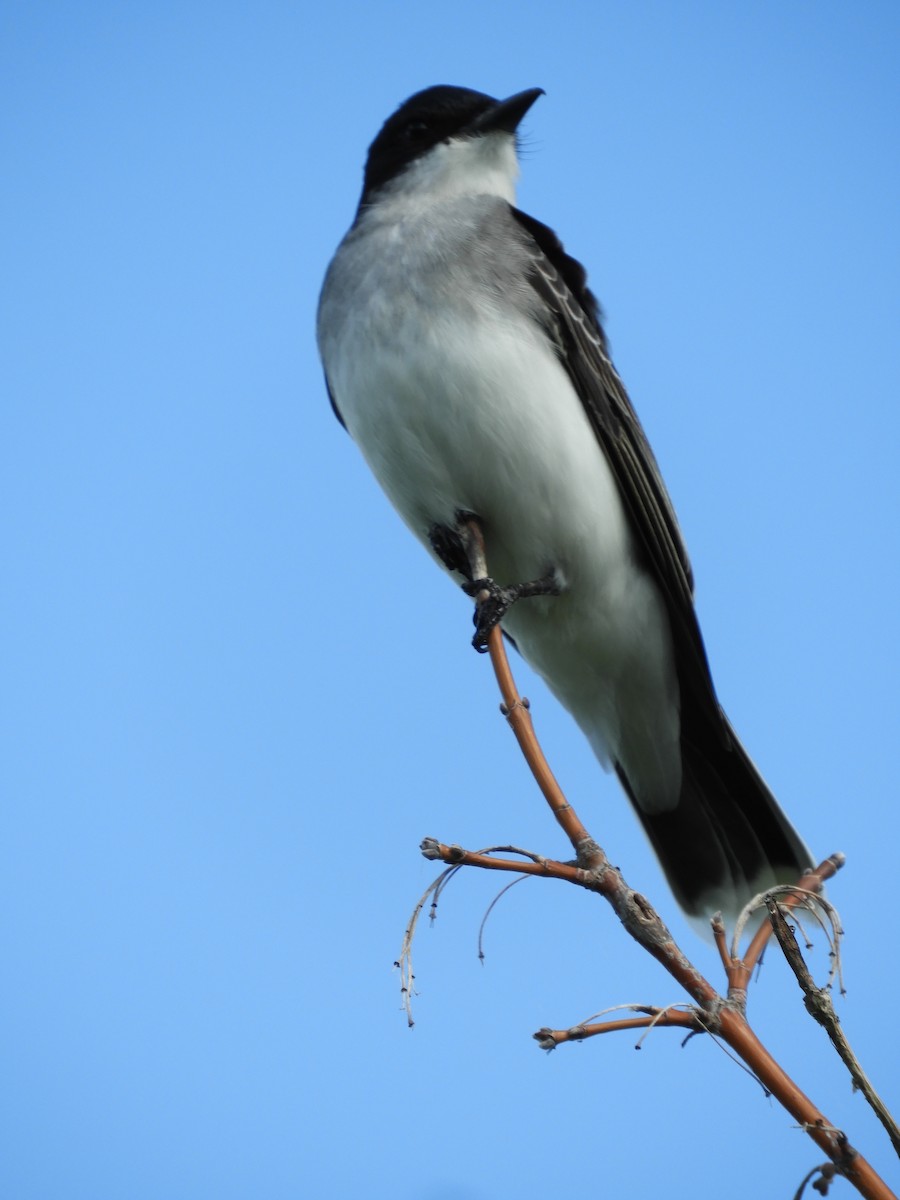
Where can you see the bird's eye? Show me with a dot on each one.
(416, 130)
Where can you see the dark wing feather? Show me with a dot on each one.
(574, 326)
(334, 407)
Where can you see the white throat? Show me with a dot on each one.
(465, 166)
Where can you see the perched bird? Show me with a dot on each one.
(464, 353)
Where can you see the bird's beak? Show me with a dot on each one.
(506, 115)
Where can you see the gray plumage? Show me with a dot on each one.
(465, 355)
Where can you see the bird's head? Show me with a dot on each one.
(447, 140)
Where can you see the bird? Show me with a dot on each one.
(465, 354)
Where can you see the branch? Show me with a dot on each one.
(681, 1018)
(820, 1007)
(723, 1016)
(809, 885)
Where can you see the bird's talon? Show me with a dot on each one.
(473, 586)
(490, 610)
(497, 602)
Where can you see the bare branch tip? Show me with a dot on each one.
(545, 1039)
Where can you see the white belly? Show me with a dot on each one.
(484, 419)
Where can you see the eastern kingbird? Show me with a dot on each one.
(465, 354)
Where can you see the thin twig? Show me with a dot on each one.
(404, 963)
(718, 932)
(820, 1007)
(549, 1039)
(490, 908)
(516, 711)
(792, 895)
(826, 1173)
(725, 1018)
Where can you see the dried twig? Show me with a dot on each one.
(681, 1017)
(820, 1007)
(490, 908)
(826, 1173)
(723, 1016)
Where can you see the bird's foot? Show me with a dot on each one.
(461, 549)
(493, 602)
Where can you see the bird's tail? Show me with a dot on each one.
(727, 839)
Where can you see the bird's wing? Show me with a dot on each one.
(333, 402)
(573, 324)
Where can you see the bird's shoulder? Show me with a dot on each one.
(549, 258)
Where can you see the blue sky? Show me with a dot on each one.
(237, 695)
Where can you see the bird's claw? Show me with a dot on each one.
(493, 602)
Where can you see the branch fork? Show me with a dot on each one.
(724, 1016)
